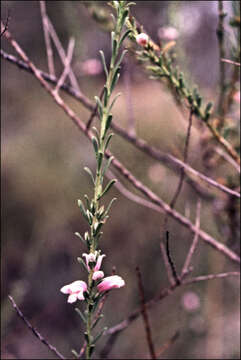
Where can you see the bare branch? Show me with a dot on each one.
(62, 55)
(35, 332)
(145, 315)
(114, 330)
(66, 70)
(47, 38)
(231, 62)
(195, 240)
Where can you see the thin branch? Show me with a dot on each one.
(62, 55)
(182, 173)
(35, 332)
(49, 50)
(167, 263)
(5, 27)
(137, 184)
(145, 315)
(171, 262)
(222, 74)
(66, 65)
(169, 160)
(171, 341)
(227, 158)
(195, 241)
(164, 293)
(231, 62)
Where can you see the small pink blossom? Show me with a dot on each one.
(94, 258)
(91, 67)
(190, 301)
(75, 290)
(142, 39)
(98, 275)
(236, 97)
(110, 282)
(168, 33)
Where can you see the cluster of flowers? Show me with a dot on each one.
(76, 289)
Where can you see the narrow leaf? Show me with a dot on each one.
(104, 62)
(109, 206)
(81, 261)
(108, 141)
(95, 144)
(80, 237)
(99, 160)
(113, 102)
(121, 57)
(108, 187)
(99, 335)
(115, 79)
(124, 36)
(82, 209)
(90, 173)
(97, 99)
(81, 315)
(87, 201)
(97, 321)
(108, 122)
(107, 165)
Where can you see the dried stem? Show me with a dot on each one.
(231, 62)
(145, 315)
(35, 332)
(164, 293)
(49, 50)
(194, 243)
(222, 74)
(66, 65)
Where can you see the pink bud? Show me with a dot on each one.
(99, 261)
(142, 39)
(110, 282)
(98, 275)
(75, 290)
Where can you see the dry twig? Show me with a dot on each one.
(35, 332)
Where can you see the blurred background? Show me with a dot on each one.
(43, 156)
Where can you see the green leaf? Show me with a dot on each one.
(90, 173)
(106, 167)
(97, 321)
(121, 58)
(124, 36)
(87, 201)
(104, 62)
(97, 227)
(80, 237)
(81, 315)
(113, 102)
(74, 352)
(208, 107)
(99, 160)
(100, 107)
(95, 144)
(107, 141)
(109, 206)
(113, 44)
(82, 209)
(99, 335)
(105, 95)
(81, 261)
(107, 188)
(108, 122)
(90, 216)
(115, 78)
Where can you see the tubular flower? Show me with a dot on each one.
(110, 282)
(75, 290)
(142, 39)
(93, 258)
(98, 275)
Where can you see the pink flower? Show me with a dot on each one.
(110, 282)
(91, 67)
(168, 33)
(98, 275)
(94, 258)
(142, 39)
(75, 290)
